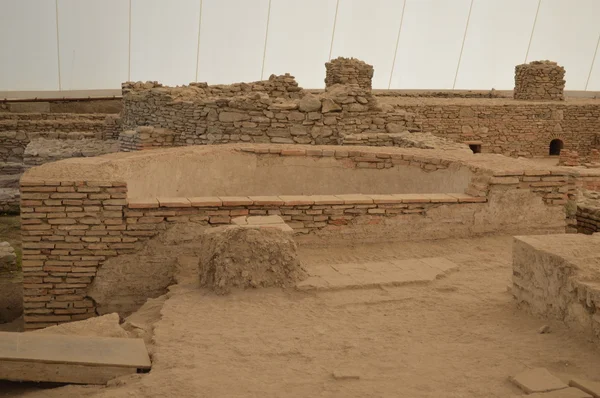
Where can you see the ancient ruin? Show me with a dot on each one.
(204, 214)
(540, 80)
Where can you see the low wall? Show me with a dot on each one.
(18, 129)
(259, 117)
(350, 115)
(78, 213)
(556, 277)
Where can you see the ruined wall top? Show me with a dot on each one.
(539, 80)
(282, 86)
(348, 71)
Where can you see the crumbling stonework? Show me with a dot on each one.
(145, 137)
(348, 71)
(255, 116)
(556, 277)
(42, 150)
(283, 86)
(539, 80)
(17, 129)
(568, 158)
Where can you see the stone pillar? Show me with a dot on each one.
(539, 80)
(348, 71)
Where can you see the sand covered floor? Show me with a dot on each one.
(458, 336)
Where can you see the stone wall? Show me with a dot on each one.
(17, 129)
(508, 127)
(258, 117)
(539, 80)
(282, 86)
(146, 137)
(42, 150)
(556, 277)
(348, 71)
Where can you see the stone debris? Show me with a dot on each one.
(544, 329)
(590, 387)
(537, 380)
(239, 257)
(539, 80)
(8, 257)
(568, 158)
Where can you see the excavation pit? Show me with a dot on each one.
(79, 214)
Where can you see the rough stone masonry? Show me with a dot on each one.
(348, 71)
(539, 80)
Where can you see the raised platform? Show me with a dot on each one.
(558, 276)
(376, 274)
(69, 359)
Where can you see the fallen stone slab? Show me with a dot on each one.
(69, 359)
(570, 392)
(537, 380)
(591, 387)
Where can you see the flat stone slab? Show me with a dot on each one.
(262, 222)
(537, 380)
(69, 359)
(590, 387)
(372, 274)
(570, 392)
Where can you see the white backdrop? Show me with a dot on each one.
(426, 44)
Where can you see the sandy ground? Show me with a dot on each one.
(459, 336)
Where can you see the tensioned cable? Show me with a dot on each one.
(592, 66)
(262, 69)
(198, 44)
(58, 46)
(337, 5)
(397, 42)
(533, 30)
(462, 47)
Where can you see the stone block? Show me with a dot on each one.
(537, 380)
(590, 387)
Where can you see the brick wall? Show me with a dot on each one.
(70, 227)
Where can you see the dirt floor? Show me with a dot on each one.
(458, 336)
